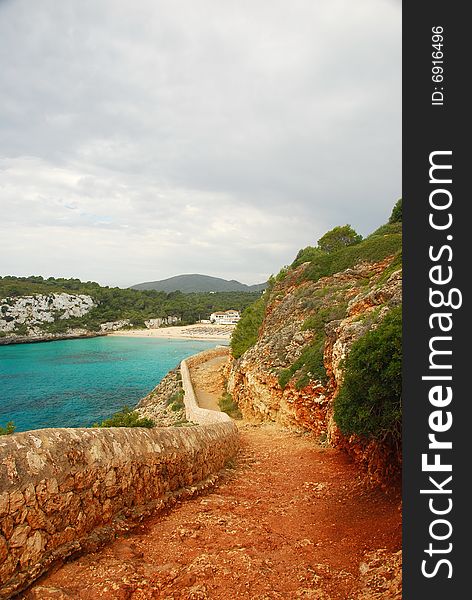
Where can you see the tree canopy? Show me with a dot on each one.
(337, 238)
(396, 216)
(115, 303)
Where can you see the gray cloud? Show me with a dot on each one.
(144, 139)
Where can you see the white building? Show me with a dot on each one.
(228, 317)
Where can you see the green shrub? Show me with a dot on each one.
(176, 401)
(397, 212)
(339, 237)
(8, 429)
(183, 423)
(387, 229)
(282, 274)
(324, 315)
(21, 329)
(247, 330)
(126, 418)
(309, 365)
(284, 377)
(176, 398)
(369, 402)
(372, 249)
(229, 406)
(305, 255)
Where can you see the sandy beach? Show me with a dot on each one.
(220, 333)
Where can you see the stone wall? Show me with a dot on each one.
(192, 411)
(206, 355)
(67, 491)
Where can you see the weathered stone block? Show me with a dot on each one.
(36, 518)
(4, 504)
(17, 500)
(3, 549)
(7, 524)
(33, 549)
(8, 568)
(19, 536)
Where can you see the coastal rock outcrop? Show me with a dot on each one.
(30, 315)
(115, 325)
(164, 404)
(158, 322)
(271, 381)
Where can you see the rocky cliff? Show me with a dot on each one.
(35, 318)
(30, 317)
(293, 372)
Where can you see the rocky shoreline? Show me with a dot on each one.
(165, 403)
(52, 337)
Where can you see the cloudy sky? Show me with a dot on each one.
(141, 139)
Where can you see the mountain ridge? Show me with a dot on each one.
(196, 282)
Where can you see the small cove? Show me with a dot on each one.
(75, 383)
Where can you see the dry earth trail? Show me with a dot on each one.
(208, 382)
(290, 519)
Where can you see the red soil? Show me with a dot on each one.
(289, 520)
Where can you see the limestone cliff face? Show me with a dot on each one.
(342, 308)
(28, 318)
(28, 315)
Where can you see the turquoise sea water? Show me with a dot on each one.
(74, 383)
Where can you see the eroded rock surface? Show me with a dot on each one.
(351, 303)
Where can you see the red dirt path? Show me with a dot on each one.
(290, 520)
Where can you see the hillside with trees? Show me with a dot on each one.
(115, 304)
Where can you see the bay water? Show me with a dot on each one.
(75, 383)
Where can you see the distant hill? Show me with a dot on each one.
(198, 283)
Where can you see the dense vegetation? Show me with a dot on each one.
(337, 250)
(117, 303)
(247, 329)
(126, 418)
(176, 401)
(397, 212)
(369, 402)
(386, 241)
(310, 364)
(338, 238)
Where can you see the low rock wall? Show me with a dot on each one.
(192, 411)
(67, 491)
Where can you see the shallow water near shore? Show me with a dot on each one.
(75, 383)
